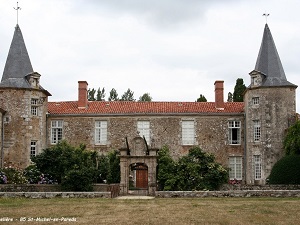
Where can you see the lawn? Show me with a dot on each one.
(156, 211)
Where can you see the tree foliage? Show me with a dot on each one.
(63, 162)
(145, 98)
(196, 171)
(91, 94)
(109, 168)
(128, 95)
(239, 90)
(113, 95)
(101, 94)
(201, 98)
(286, 171)
(291, 141)
(230, 97)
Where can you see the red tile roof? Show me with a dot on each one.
(123, 107)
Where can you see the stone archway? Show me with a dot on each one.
(138, 168)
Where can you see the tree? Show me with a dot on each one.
(291, 141)
(128, 95)
(230, 97)
(113, 95)
(101, 94)
(145, 98)
(239, 90)
(201, 98)
(91, 94)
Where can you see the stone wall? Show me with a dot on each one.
(114, 189)
(55, 195)
(234, 193)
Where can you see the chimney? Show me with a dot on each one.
(219, 95)
(82, 94)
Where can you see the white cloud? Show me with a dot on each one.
(174, 50)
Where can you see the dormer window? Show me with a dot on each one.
(34, 79)
(256, 78)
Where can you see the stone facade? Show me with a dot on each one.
(21, 126)
(275, 111)
(211, 132)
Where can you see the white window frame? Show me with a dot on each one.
(256, 130)
(33, 148)
(100, 132)
(143, 128)
(34, 107)
(236, 168)
(56, 131)
(255, 100)
(257, 167)
(188, 132)
(234, 130)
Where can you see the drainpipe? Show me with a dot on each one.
(2, 138)
(245, 147)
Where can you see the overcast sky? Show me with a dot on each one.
(172, 49)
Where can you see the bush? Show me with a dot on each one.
(196, 171)
(109, 168)
(12, 175)
(292, 139)
(61, 158)
(286, 171)
(78, 180)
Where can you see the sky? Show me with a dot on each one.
(172, 49)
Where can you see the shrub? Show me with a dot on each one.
(196, 171)
(166, 169)
(109, 168)
(286, 171)
(13, 176)
(78, 180)
(292, 139)
(61, 158)
(3, 178)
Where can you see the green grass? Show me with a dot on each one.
(224, 211)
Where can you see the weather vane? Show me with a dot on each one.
(18, 8)
(266, 15)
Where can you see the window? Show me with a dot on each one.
(257, 167)
(100, 132)
(235, 166)
(234, 132)
(33, 148)
(188, 132)
(256, 126)
(56, 131)
(143, 128)
(255, 101)
(34, 106)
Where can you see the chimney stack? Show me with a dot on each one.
(82, 94)
(219, 95)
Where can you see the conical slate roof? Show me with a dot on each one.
(18, 64)
(268, 62)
